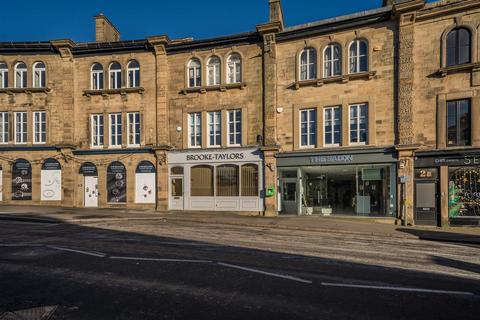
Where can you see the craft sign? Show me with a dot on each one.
(22, 180)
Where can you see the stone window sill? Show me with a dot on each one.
(222, 88)
(337, 79)
(107, 92)
(25, 90)
(468, 67)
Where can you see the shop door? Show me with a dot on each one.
(90, 192)
(176, 193)
(426, 203)
(289, 197)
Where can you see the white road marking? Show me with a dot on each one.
(343, 285)
(88, 253)
(160, 259)
(265, 273)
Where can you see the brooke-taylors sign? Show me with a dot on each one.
(332, 159)
(212, 156)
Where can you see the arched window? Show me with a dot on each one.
(3, 75)
(308, 64)
(358, 56)
(234, 68)
(332, 60)
(20, 75)
(97, 76)
(116, 183)
(213, 71)
(115, 71)
(39, 75)
(228, 180)
(21, 180)
(459, 43)
(194, 73)
(133, 69)
(250, 180)
(201, 181)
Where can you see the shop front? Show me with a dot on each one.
(455, 179)
(216, 180)
(355, 183)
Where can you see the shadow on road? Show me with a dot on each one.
(93, 287)
(444, 236)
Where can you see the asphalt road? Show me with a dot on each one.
(163, 269)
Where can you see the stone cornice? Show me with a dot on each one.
(408, 6)
(271, 27)
(433, 11)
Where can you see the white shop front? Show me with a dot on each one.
(216, 180)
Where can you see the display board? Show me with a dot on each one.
(145, 183)
(22, 180)
(116, 183)
(88, 169)
(51, 181)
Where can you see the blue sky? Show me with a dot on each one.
(35, 20)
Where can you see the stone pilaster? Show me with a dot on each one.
(406, 143)
(159, 43)
(270, 181)
(162, 179)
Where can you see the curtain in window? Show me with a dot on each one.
(250, 180)
(227, 181)
(201, 181)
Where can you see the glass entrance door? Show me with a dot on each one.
(289, 196)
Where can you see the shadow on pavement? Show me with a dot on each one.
(445, 236)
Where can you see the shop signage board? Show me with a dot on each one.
(22, 180)
(469, 160)
(88, 169)
(51, 181)
(116, 183)
(145, 183)
(223, 156)
(319, 159)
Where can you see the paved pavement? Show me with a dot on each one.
(308, 223)
(90, 266)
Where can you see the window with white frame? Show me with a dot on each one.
(39, 75)
(332, 60)
(133, 70)
(235, 127)
(97, 134)
(195, 130)
(359, 123)
(308, 64)
(133, 128)
(213, 71)
(115, 71)
(97, 76)
(39, 127)
(332, 126)
(20, 127)
(3, 75)
(4, 136)
(214, 129)
(234, 68)
(358, 56)
(194, 73)
(20, 75)
(308, 128)
(115, 130)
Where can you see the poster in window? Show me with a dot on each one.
(464, 192)
(51, 181)
(145, 183)
(116, 183)
(22, 180)
(1, 184)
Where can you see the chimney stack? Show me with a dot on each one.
(276, 12)
(105, 31)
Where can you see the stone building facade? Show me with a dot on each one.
(372, 114)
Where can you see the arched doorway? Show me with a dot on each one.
(90, 185)
(145, 191)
